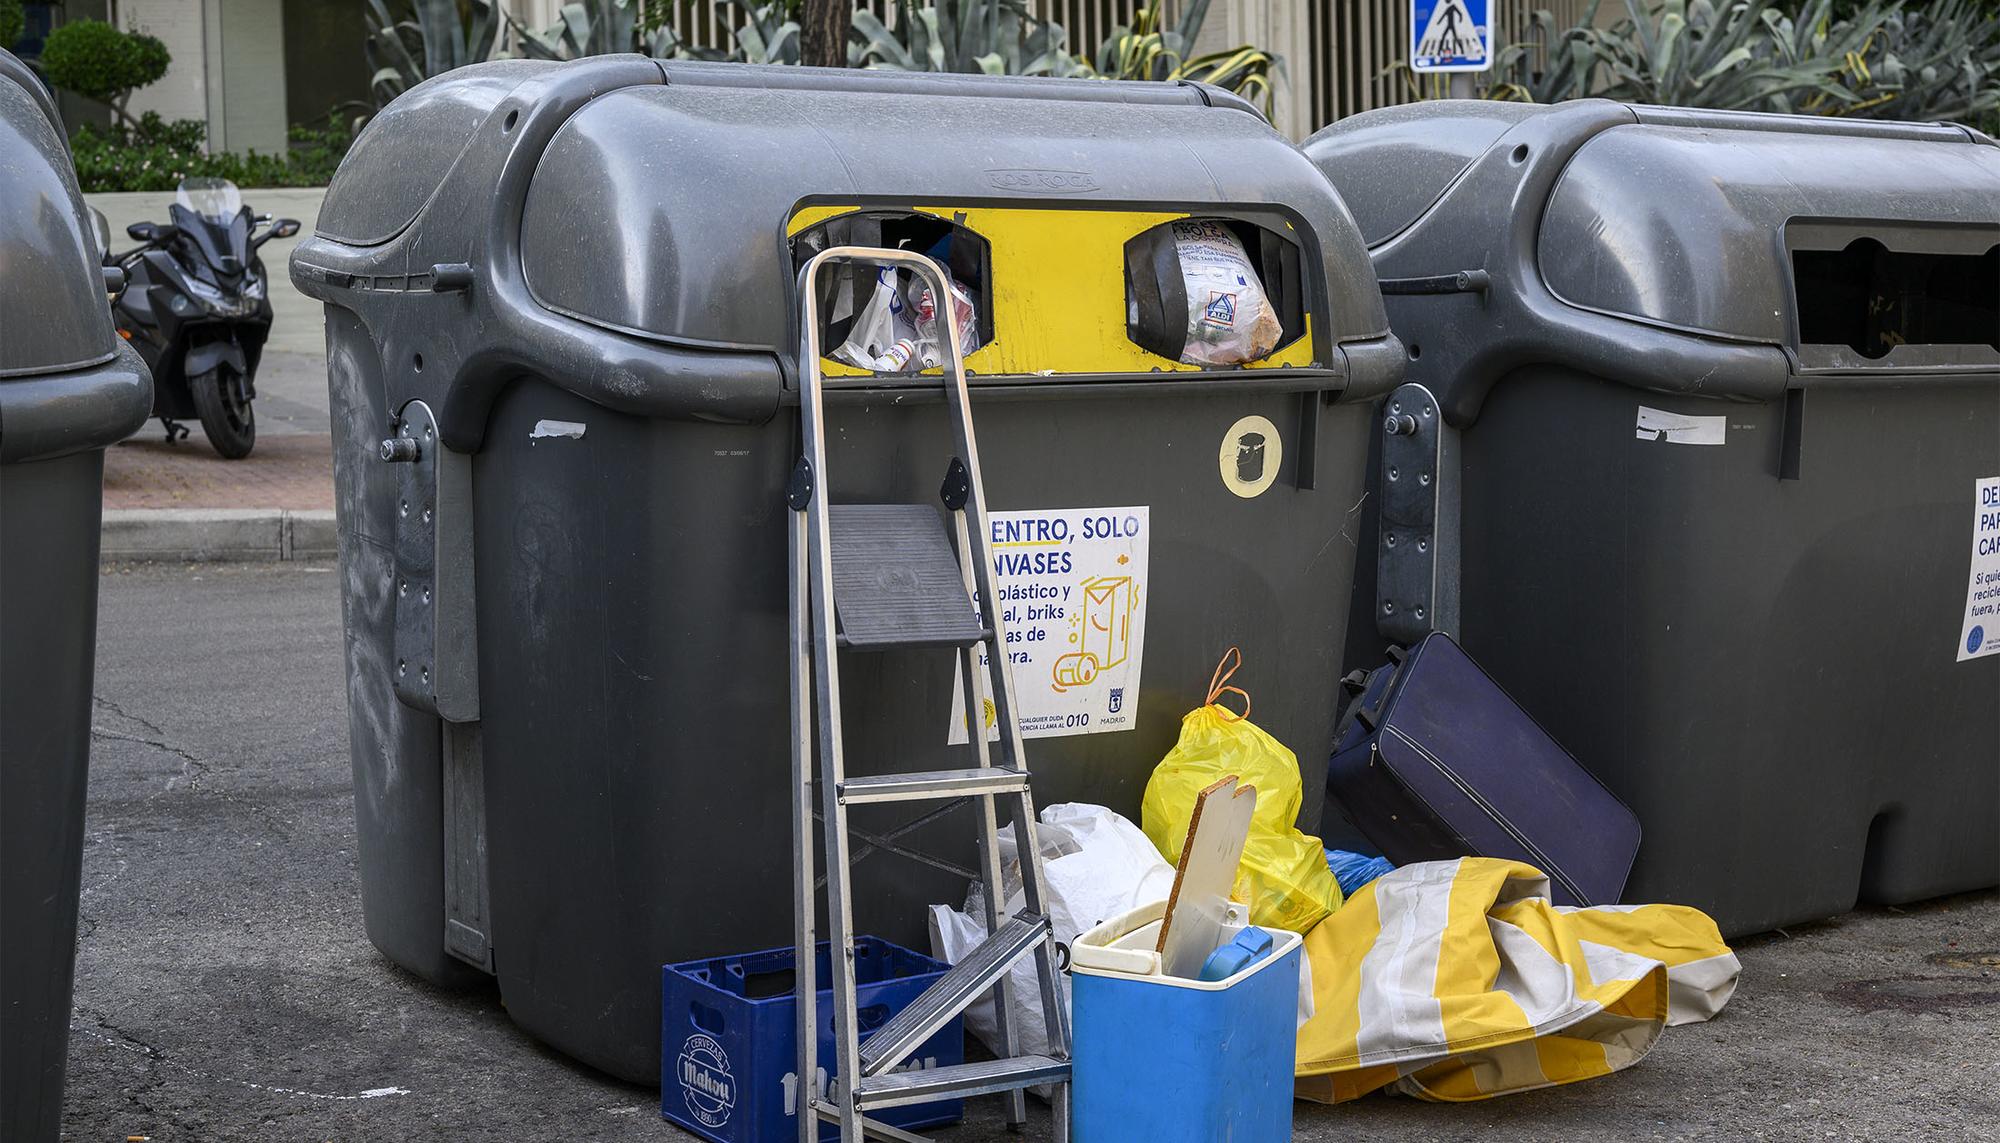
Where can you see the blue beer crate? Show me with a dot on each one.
(729, 1039)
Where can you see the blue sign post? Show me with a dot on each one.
(1450, 35)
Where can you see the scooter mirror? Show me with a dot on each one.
(153, 231)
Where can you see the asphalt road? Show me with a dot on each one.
(225, 990)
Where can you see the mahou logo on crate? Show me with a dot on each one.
(710, 1091)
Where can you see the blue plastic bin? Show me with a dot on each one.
(729, 1039)
(1173, 1060)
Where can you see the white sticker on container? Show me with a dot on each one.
(546, 430)
(1677, 428)
(1072, 586)
(1981, 633)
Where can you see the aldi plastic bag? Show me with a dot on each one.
(1096, 865)
(1230, 320)
(1284, 875)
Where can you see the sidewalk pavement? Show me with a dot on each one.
(182, 502)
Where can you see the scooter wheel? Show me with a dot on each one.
(228, 421)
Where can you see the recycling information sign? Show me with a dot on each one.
(1073, 585)
(1451, 35)
(1981, 634)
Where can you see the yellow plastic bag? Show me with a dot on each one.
(1284, 877)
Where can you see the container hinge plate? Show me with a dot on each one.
(1416, 562)
(437, 650)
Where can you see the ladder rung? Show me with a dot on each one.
(932, 784)
(953, 992)
(921, 1085)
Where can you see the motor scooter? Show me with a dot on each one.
(196, 305)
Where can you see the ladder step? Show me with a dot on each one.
(896, 582)
(958, 1080)
(932, 784)
(953, 992)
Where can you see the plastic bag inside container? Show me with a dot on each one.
(899, 328)
(882, 318)
(1230, 319)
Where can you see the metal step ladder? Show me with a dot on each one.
(870, 577)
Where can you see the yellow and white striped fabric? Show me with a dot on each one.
(1459, 980)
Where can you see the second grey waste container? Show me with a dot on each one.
(585, 274)
(68, 388)
(1722, 396)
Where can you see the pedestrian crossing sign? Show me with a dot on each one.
(1450, 35)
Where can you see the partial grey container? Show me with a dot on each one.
(1718, 391)
(68, 387)
(567, 664)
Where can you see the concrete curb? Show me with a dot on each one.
(197, 535)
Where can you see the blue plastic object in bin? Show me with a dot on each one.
(1172, 1060)
(1250, 945)
(729, 1040)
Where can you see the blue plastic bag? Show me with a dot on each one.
(1353, 870)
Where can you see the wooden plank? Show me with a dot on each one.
(1199, 901)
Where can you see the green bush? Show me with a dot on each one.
(101, 63)
(155, 155)
(13, 21)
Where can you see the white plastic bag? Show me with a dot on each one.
(1230, 320)
(884, 335)
(893, 330)
(930, 331)
(1096, 864)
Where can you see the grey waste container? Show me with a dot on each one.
(585, 274)
(68, 388)
(1722, 400)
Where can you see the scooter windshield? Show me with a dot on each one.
(216, 200)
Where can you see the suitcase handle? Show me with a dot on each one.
(1355, 684)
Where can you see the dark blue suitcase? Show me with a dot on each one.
(1433, 761)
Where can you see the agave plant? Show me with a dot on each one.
(997, 37)
(1697, 53)
(1547, 62)
(768, 34)
(1932, 61)
(418, 39)
(1148, 51)
(600, 27)
(595, 28)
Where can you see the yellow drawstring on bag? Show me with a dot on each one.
(1284, 877)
